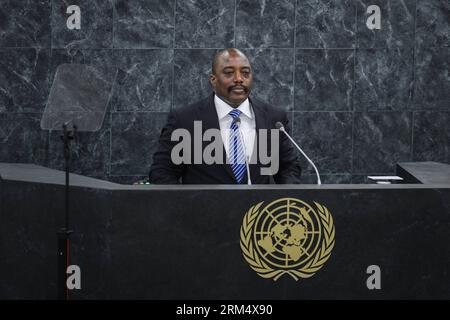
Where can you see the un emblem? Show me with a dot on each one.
(287, 236)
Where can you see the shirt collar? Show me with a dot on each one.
(223, 108)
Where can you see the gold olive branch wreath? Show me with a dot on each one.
(264, 270)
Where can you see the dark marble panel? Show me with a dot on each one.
(25, 23)
(144, 81)
(134, 140)
(90, 157)
(96, 24)
(335, 178)
(325, 24)
(431, 136)
(432, 79)
(144, 24)
(397, 24)
(100, 59)
(273, 77)
(381, 139)
(326, 178)
(21, 138)
(433, 23)
(24, 79)
(192, 69)
(359, 179)
(265, 23)
(384, 79)
(204, 23)
(324, 80)
(326, 138)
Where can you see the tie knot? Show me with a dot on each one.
(235, 113)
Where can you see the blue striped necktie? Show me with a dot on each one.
(237, 155)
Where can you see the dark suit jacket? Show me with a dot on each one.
(164, 171)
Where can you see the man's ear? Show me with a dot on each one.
(212, 80)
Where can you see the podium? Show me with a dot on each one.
(184, 242)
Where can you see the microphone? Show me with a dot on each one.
(280, 127)
(237, 121)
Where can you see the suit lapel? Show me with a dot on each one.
(260, 123)
(210, 120)
(208, 114)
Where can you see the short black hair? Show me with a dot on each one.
(221, 53)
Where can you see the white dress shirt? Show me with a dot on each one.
(247, 127)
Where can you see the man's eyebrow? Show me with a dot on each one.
(232, 68)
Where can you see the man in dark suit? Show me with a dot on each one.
(239, 119)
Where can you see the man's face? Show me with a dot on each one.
(232, 79)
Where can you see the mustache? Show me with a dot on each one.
(238, 87)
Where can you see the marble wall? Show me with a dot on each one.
(359, 100)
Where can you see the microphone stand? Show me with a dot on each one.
(65, 232)
(281, 128)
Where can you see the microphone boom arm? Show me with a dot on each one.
(281, 128)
